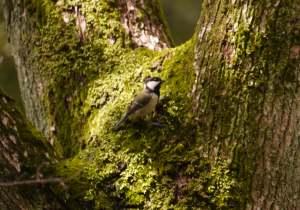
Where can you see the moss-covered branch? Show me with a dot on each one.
(230, 101)
(22, 149)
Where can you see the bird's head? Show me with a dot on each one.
(153, 83)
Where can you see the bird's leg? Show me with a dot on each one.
(155, 123)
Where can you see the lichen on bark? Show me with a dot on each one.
(248, 90)
(230, 102)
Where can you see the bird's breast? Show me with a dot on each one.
(148, 108)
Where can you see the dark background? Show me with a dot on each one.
(182, 17)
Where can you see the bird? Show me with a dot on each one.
(145, 101)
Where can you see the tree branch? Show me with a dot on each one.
(62, 182)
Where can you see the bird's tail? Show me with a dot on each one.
(120, 121)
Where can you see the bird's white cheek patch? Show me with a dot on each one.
(152, 84)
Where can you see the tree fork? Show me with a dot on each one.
(230, 101)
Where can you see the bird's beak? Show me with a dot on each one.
(162, 81)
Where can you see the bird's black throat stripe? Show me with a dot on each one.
(156, 90)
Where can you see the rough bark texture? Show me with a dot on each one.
(142, 22)
(247, 95)
(230, 102)
(90, 30)
(22, 150)
(19, 29)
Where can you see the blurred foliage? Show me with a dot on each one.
(182, 17)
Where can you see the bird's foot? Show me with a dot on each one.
(155, 123)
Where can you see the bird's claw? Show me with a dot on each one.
(157, 123)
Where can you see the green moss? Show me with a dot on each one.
(33, 142)
(92, 83)
(39, 8)
(139, 164)
(23, 150)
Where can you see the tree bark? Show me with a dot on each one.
(230, 106)
(247, 61)
(22, 150)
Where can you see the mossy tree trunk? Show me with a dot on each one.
(22, 150)
(230, 107)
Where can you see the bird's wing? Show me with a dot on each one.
(139, 101)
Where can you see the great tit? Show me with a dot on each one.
(144, 103)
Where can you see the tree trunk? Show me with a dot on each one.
(247, 62)
(22, 150)
(230, 106)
